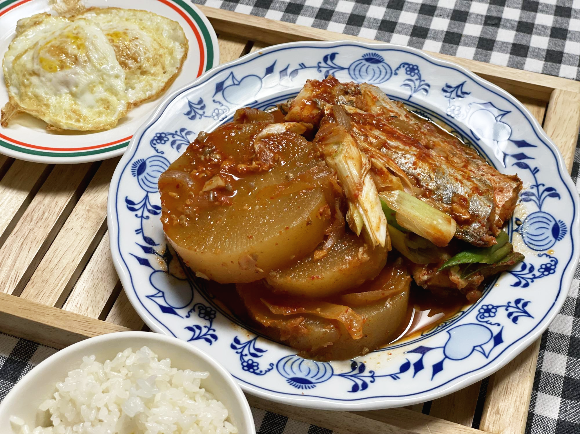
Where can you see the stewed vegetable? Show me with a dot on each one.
(348, 263)
(242, 201)
(335, 327)
(301, 214)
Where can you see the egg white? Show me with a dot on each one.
(150, 48)
(65, 73)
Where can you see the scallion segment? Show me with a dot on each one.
(423, 252)
(486, 255)
(391, 216)
(419, 217)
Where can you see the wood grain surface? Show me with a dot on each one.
(96, 283)
(378, 421)
(48, 325)
(60, 267)
(122, 313)
(508, 394)
(18, 186)
(562, 122)
(39, 225)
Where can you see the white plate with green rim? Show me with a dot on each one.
(26, 137)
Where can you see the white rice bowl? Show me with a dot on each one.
(135, 393)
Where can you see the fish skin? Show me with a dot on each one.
(447, 174)
(452, 190)
(448, 150)
(309, 105)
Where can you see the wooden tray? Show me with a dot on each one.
(58, 284)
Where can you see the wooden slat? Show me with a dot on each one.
(258, 45)
(508, 394)
(231, 47)
(563, 121)
(16, 189)
(62, 264)
(5, 163)
(418, 422)
(536, 107)
(123, 314)
(459, 407)
(397, 421)
(48, 325)
(254, 28)
(415, 407)
(96, 284)
(40, 223)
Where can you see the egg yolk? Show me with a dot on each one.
(127, 49)
(118, 36)
(62, 52)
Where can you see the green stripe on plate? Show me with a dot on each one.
(7, 3)
(204, 32)
(61, 154)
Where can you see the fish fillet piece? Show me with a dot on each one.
(310, 103)
(451, 188)
(443, 172)
(446, 148)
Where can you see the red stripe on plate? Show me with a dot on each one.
(13, 6)
(195, 31)
(45, 148)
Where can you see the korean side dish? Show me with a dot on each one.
(86, 68)
(331, 213)
(134, 393)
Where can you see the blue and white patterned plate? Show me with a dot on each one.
(515, 309)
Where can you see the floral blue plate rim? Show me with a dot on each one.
(477, 342)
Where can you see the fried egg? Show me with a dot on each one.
(66, 73)
(150, 48)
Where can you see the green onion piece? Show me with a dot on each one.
(354, 219)
(400, 242)
(391, 216)
(486, 255)
(419, 217)
(488, 269)
(499, 254)
(343, 155)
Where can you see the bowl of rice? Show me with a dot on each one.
(127, 383)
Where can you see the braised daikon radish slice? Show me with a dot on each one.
(348, 264)
(336, 328)
(382, 321)
(246, 199)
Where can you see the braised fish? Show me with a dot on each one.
(441, 170)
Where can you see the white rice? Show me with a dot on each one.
(135, 393)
